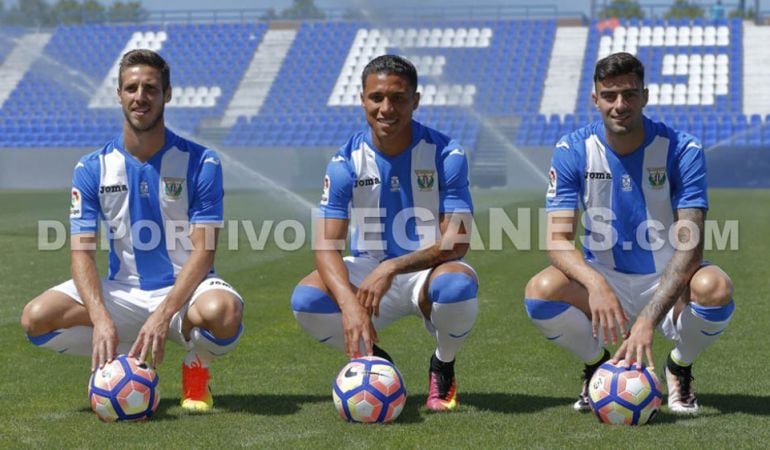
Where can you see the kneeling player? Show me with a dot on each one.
(160, 198)
(404, 187)
(643, 187)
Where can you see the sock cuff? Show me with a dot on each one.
(310, 299)
(452, 287)
(713, 313)
(42, 339)
(544, 309)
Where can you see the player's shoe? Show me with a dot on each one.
(377, 351)
(442, 393)
(196, 394)
(681, 395)
(582, 403)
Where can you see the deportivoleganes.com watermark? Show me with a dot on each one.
(410, 228)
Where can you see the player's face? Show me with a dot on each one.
(142, 97)
(621, 100)
(389, 102)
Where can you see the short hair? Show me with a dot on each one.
(144, 57)
(391, 64)
(618, 64)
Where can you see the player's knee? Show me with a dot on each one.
(542, 286)
(221, 314)
(453, 287)
(310, 299)
(711, 288)
(34, 318)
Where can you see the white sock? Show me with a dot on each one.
(206, 346)
(451, 323)
(566, 326)
(699, 327)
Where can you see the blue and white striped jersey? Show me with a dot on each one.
(394, 203)
(628, 201)
(147, 208)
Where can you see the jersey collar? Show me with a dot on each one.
(649, 135)
(169, 141)
(416, 136)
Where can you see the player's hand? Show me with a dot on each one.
(152, 335)
(374, 287)
(104, 343)
(357, 326)
(607, 315)
(638, 345)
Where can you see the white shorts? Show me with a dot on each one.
(635, 292)
(129, 306)
(403, 297)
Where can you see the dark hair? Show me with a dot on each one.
(618, 64)
(391, 64)
(144, 57)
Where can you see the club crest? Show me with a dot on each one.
(656, 176)
(425, 179)
(173, 187)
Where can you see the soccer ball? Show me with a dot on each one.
(369, 389)
(123, 390)
(624, 396)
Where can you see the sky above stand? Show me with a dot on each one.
(582, 6)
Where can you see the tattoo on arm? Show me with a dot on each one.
(687, 257)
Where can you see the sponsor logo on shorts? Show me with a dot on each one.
(219, 283)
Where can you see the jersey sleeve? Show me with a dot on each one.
(454, 190)
(688, 183)
(85, 208)
(337, 190)
(208, 199)
(563, 179)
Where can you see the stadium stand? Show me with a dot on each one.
(473, 72)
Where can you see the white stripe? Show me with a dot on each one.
(658, 199)
(597, 198)
(366, 202)
(174, 208)
(425, 196)
(117, 214)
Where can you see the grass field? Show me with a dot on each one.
(274, 391)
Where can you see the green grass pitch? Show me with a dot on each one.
(274, 390)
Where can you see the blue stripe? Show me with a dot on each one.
(544, 309)
(43, 338)
(554, 338)
(630, 210)
(221, 342)
(153, 265)
(312, 300)
(452, 287)
(713, 313)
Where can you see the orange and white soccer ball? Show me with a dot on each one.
(369, 389)
(124, 390)
(624, 396)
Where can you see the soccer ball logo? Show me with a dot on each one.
(123, 390)
(624, 396)
(369, 389)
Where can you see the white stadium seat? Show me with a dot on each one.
(619, 32)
